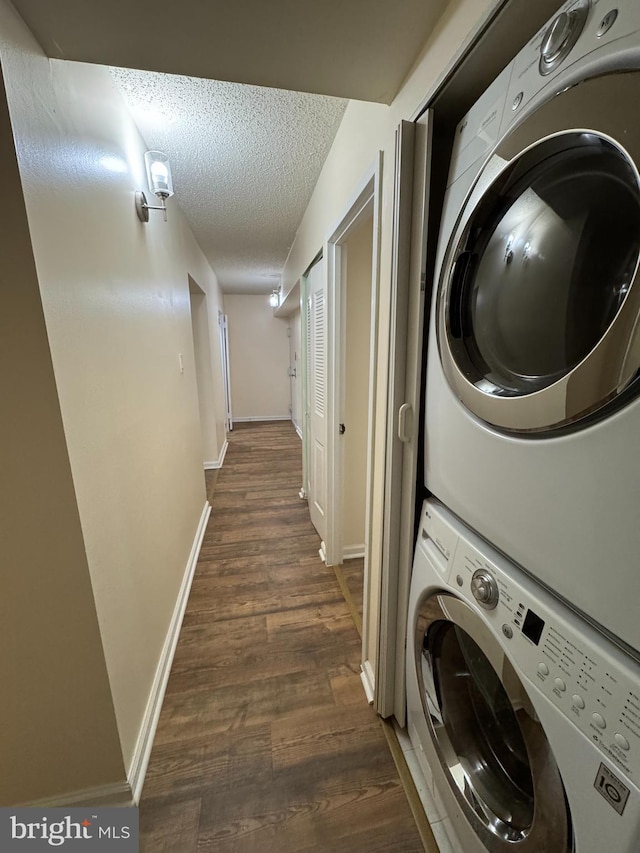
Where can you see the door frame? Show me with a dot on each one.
(365, 202)
(408, 298)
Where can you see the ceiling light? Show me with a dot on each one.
(274, 299)
(160, 184)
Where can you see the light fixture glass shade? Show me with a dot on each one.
(158, 174)
(274, 299)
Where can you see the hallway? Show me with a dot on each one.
(265, 740)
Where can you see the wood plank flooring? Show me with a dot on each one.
(265, 740)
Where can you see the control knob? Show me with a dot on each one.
(484, 588)
(561, 35)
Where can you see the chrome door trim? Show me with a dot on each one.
(600, 106)
(550, 828)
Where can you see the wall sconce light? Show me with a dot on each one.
(274, 299)
(160, 184)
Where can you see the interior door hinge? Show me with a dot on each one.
(342, 429)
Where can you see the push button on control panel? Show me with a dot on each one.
(599, 720)
(543, 669)
(559, 683)
(578, 701)
(621, 740)
(606, 23)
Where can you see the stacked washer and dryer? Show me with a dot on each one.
(523, 647)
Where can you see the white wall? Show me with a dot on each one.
(258, 358)
(115, 293)
(367, 129)
(359, 253)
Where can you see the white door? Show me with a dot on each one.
(317, 396)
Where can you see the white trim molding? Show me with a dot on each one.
(368, 681)
(212, 466)
(140, 761)
(262, 418)
(352, 552)
(116, 795)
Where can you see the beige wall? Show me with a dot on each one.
(56, 703)
(359, 248)
(116, 303)
(365, 130)
(258, 357)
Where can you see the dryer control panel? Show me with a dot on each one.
(583, 39)
(588, 678)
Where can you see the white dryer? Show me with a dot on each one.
(532, 420)
(522, 716)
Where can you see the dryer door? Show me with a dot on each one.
(492, 749)
(539, 297)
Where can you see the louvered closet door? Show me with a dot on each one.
(317, 397)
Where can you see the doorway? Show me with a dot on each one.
(342, 345)
(357, 277)
(204, 373)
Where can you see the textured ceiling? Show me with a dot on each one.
(245, 160)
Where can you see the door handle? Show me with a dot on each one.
(405, 422)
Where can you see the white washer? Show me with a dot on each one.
(522, 716)
(532, 420)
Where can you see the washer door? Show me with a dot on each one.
(539, 299)
(492, 749)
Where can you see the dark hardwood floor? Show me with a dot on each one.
(265, 740)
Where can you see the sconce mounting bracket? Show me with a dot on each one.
(142, 208)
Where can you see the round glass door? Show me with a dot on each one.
(493, 750)
(533, 299)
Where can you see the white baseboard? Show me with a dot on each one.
(142, 752)
(299, 431)
(212, 466)
(352, 552)
(116, 795)
(322, 550)
(262, 418)
(368, 681)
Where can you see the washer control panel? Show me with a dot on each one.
(588, 678)
(591, 689)
(592, 682)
